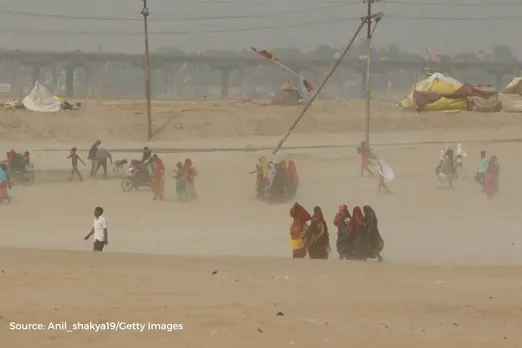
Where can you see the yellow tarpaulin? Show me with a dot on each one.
(437, 83)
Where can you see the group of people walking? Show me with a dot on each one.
(358, 236)
(276, 181)
(185, 181)
(185, 176)
(451, 163)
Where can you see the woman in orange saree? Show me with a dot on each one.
(298, 229)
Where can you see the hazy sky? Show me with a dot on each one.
(180, 25)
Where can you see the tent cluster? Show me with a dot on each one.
(41, 100)
(442, 93)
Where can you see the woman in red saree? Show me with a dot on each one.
(298, 229)
(491, 177)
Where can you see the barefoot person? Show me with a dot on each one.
(74, 162)
(101, 235)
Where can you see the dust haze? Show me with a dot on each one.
(221, 265)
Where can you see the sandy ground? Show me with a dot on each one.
(124, 120)
(324, 303)
(470, 296)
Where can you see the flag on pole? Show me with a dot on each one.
(265, 54)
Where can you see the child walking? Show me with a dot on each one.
(74, 161)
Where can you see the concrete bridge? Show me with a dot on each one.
(93, 63)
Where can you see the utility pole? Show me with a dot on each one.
(369, 34)
(145, 13)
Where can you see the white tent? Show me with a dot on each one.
(41, 100)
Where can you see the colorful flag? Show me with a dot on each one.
(265, 54)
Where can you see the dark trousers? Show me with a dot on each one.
(98, 246)
(101, 163)
(93, 168)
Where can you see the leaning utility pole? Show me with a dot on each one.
(369, 34)
(378, 16)
(145, 13)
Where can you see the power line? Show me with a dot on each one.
(162, 33)
(179, 19)
(428, 18)
(454, 4)
(232, 30)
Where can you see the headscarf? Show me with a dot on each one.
(370, 218)
(355, 225)
(318, 215)
(342, 209)
(298, 212)
(263, 163)
(493, 167)
(98, 142)
(292, 172)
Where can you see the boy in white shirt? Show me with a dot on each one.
(101, 236)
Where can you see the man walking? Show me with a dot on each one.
(102, 156)
(101, 235)
(482, 169)
(92, 157)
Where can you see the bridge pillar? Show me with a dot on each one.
(498, 81)
(225, 82)
(35, 73)
(69, 80)
(16, 82)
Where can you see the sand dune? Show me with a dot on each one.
(470, 297)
